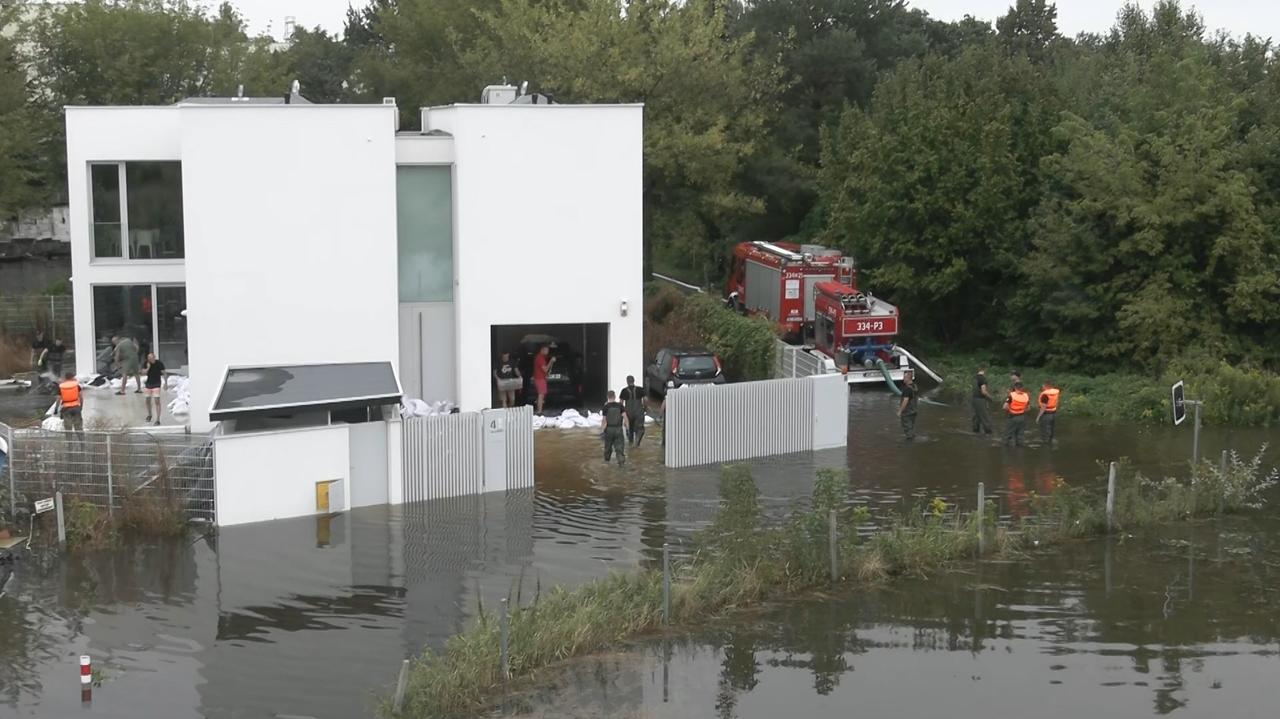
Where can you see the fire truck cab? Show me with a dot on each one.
(777, 279)
(854, 329)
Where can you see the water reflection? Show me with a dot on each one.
(310, 617)
(1189, 625)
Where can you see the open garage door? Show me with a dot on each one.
(580, 376)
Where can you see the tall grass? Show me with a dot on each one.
(742, 559)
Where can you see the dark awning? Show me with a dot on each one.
(247, 391)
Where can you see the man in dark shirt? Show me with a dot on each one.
(38, 347)
(981, 398)
(614, 414)
(503, 373)
(907, 408)
(633, 401)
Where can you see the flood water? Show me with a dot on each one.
(312, 617)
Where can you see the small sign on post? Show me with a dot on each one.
(44, 505)
(1179, 404)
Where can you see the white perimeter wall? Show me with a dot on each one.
(111, 134)
(273, 475)
(290, 217)
(547, 227)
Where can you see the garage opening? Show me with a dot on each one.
(578, 379)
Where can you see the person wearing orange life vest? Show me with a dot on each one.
(1048, 402)
(70, 404)
(1015, 409)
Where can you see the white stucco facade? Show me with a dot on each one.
(292, 252)
(548, 226)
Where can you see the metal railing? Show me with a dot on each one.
(106, 468)
(26, 314)
(796, 361)
(705, 424)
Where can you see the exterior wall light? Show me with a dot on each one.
(622, 308)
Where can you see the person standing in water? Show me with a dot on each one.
(154, 370)
(979, 401)
(1047, 419)
(1015, 407)
(614, 414)
(633, 400)
(907, 407)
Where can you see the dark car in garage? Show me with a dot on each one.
(564, 380)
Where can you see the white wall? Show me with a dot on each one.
(291, 238)
(548, 226)
(273, 475)
(111, 134)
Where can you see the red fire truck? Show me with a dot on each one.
(812, 293)
(776, 279)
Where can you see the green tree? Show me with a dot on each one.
(22, 182)
(707, 100)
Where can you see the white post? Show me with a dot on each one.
(111, 494)
(1111, 496)
(398, 703)
(1195, 436)
(831, 544)
(53, 326)
(503, 658)
(666, 583)
(13, 473)
(982, 525)
(62, 524)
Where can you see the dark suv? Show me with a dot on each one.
(675, 367)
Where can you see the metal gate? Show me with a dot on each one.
(467, 453)
(795, 361)
(720, 423)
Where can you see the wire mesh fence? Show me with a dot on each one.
(105, 469)
(27, 314)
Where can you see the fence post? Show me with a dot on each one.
(62, 522)
(666, 583)
(13, 473)
(1195, 437)
(1222, 464)
(1111, 496)
(831, 546)
(53, 323)
(982, 525)
(111, 492)
(503, 659)
(398, 703)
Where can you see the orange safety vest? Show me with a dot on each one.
(69, 393)
(1050, 399)
(1018, 401)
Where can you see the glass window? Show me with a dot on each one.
(121, 311)
(104, 189)
(424, 230)
(171, 327)
(153, 194)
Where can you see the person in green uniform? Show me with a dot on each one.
(614, 414)
(981, 398)
(633, 400)
(907, 407)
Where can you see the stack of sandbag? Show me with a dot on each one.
(419, 408)
(179, 388)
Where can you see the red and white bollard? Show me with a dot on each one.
(86, 678)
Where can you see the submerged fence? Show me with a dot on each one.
(794, 361)
(106, 468)
(467, 453)
(720, 423)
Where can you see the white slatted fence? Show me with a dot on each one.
(445, 456)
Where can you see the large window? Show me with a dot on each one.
(424, 230)
(150, 315)
(137, 210)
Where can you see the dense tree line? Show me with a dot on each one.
(1109, 198)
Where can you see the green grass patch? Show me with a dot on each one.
(742, 560)
(1232, 395)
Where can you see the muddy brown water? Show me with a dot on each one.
(311, 617)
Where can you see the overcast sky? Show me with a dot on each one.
(1260, 17)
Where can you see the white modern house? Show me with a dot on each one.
(306, 265)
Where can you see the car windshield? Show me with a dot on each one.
(700, 363)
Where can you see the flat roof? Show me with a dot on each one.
(247, 391)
